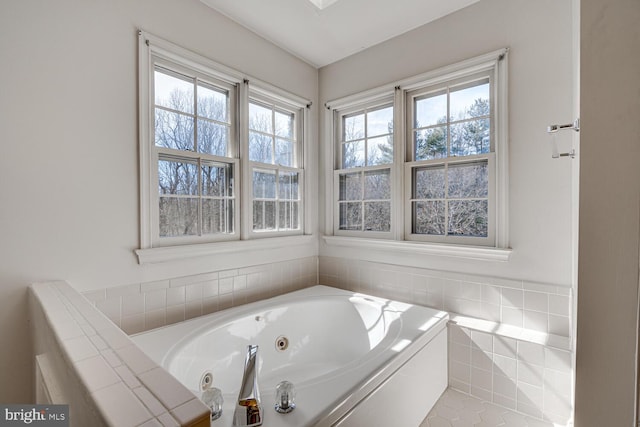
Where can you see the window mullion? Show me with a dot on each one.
(273, 136)
(366, 141)
(195, 115)
(200, 196)
(446, 165)
(246, 193)
(362, 188)
(277, 194)
(397, 172)
(448, 121)
(446, 198)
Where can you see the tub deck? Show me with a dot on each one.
(345, 349)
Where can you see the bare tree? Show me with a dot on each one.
(192, 199)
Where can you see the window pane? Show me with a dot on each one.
(264, 215)
(429, 183)
(353, 127)
(350, 186)
(428, 217)
(173, 92)
(469, 138)
(284, 124)
(351, 216)
(377, 216)
(212, 138)
(178, 178)
(431, 143)
(213, 104)
(217, 216)
(377, 185)
(430, 111)
(470, 102)
(260, 148)
(264, 184)
(260, 118)
(178, 216)
(216, 180)
(468, 218)
(380, 151)
(284, 152)
(173, 130)
(380, 122)
(288, 186)
(469, 180)
(353, 154)
(288, 215)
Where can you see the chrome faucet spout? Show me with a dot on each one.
(248, 411)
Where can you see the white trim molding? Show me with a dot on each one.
(174, 253)
(482, 253)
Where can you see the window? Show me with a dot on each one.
(451, 162)
(425, 159)
(275, 156)
(363, 177)
(221, 157)
(193, 137)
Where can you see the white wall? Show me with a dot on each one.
(69, 162)
(609, 213)
(541, 77)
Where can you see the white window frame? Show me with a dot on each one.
(411, 164)
(339, 170)
(271, 100)
(153, 50)
(231, 159)
(496, 246)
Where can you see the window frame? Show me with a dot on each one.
(276, 104)
(338, 169)
(172, 154)
(412, 164)
(497, 248)
(152, 50)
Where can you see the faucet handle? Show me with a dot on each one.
(212, 397)
(285, 397)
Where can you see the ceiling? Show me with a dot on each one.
(340, 28)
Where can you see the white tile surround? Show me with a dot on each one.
(509, 340)
(492, 355)
(143, 306)
(107, 380)
(87, 362)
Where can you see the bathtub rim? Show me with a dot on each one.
(360, 388)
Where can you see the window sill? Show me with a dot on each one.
(174, 253)
(467, 252)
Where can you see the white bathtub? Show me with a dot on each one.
(355, 360)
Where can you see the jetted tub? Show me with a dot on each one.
(354, 359)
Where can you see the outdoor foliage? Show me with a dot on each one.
(452, 199)
(197, 192)
(449, 198)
